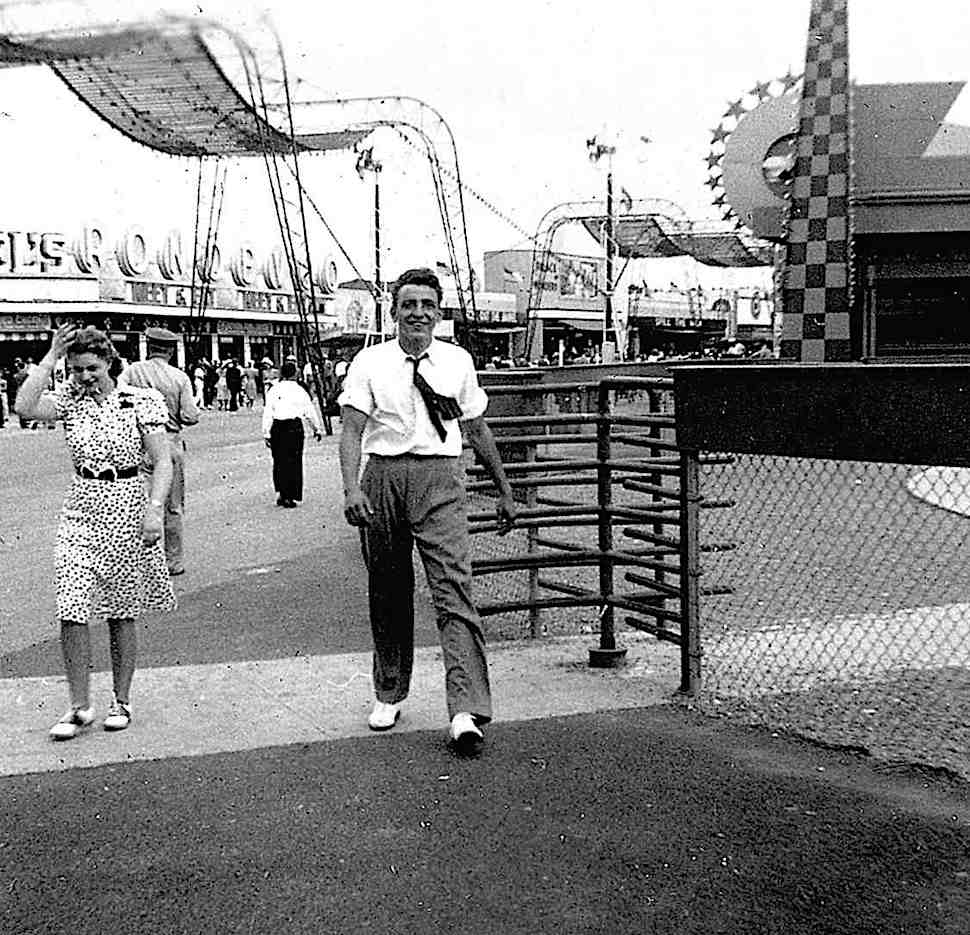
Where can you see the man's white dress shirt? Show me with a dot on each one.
(288, 400)
(380, 384)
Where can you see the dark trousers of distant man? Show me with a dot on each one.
(422, 501)
(286, 444)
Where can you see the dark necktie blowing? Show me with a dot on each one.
(438, 406)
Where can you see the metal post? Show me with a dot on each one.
(607, 656)
(609, 343)
(690, 571)
(379, 286)
(532, 534)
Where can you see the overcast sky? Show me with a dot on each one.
(522, 85)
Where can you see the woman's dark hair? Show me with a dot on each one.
(416, 277)
(91, 340)
(288, 370)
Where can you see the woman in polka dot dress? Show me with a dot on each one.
(109, 538)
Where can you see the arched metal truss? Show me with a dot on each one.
(648, 228)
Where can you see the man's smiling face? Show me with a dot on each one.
(416, 312)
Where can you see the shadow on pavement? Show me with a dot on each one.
(638, 821)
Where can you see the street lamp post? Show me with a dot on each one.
(597, 151)
(367, 163)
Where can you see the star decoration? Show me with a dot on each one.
(719, 135)
(714, 159)
(719, 201)
(760, 90)
(790, 80)
(736, 109)
(713, 181)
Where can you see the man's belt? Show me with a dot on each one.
(110, 473)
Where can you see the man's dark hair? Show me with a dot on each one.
(416, 277)
(288, 370)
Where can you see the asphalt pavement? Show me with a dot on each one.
(248, 796)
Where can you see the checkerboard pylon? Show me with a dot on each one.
(816, 297)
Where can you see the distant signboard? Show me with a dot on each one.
(578, 279)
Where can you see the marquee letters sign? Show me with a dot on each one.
(35, 253)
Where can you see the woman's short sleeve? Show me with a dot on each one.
(151, 412)
(61, 399)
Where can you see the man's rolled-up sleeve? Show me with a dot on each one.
(471, 396)
(357, 391)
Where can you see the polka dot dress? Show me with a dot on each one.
(101, 564)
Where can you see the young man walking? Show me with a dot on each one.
(401, 405)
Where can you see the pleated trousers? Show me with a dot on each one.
(422, 501)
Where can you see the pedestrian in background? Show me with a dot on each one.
(288, 407)
(222, 388)
(234, 382)
(158, 373)
(250, 388)
(401, 406)
(109, 537)
(19, 377)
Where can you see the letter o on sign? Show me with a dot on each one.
(132, 252)
(327, 276)
(208, 267)
(243, 265)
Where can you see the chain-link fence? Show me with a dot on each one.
(848, 614)
(836, 586)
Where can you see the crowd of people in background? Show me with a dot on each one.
(233, 385)
(592, 355)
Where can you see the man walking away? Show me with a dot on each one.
(288, 407)
(176, 388)
(401, 406)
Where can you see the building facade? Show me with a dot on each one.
(236, 304)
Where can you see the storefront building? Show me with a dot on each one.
(563, 310)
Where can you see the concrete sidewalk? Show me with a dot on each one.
(191, 710)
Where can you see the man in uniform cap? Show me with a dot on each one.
(175, 386)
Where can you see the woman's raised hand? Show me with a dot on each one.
(62, 339)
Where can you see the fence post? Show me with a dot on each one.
(607, 656)
(690, 571)
(532, 533)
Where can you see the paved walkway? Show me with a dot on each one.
(189, 710)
